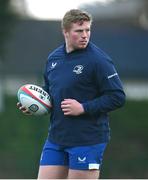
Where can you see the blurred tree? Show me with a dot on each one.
(7, 18)
(144, 15)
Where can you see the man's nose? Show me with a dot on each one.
(84, 34)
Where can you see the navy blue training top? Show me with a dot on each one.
(88, 76)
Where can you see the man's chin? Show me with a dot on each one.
(82, 46)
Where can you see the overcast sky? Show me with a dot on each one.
(54, 9)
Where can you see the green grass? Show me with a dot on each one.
(22, 138)
(126, 155)
(21, 142)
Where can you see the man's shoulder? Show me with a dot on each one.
(97, 50)
(58, 52)
(97, 54)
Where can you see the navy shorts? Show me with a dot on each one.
(78, 157)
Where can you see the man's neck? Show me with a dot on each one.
(69, 49)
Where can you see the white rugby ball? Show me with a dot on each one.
(34, 98)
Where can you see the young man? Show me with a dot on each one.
(84, 87)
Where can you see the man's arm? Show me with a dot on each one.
(110, 87)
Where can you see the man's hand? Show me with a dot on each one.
(23, 109)
(72, 107)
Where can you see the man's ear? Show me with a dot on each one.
(64, 31)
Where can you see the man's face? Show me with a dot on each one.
(77, 37)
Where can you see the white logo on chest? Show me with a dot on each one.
(53, 65)
(78, 69)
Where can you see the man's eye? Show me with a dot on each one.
(79, 31)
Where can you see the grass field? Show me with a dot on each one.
(126, 156)
(22, 137)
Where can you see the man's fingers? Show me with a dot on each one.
(67, 101)
(67, 113)
(65, 109)
(27, 112)
(65, 106)
(50, 105)
(19, 104)
(23, 109)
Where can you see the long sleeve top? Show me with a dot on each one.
(88, 76)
